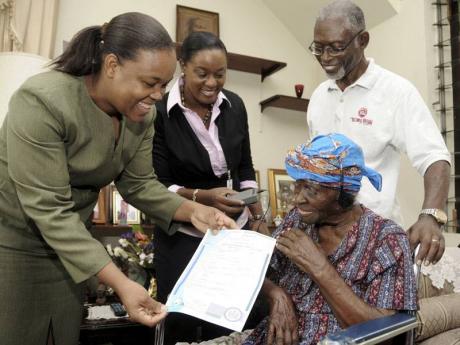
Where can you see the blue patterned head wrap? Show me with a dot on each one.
(333, 160)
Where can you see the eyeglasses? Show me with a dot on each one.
(310, 189)
(318, 50)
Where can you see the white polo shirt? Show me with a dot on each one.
(384, 114)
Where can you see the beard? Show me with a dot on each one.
(337, 75)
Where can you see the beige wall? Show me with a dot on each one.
(248, 27)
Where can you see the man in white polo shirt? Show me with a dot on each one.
(384, 114)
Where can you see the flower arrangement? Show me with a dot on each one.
(136, 247)
(134, 256)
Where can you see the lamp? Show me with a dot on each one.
(15, 68)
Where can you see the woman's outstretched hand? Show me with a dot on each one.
(204, 217)
(139, 305)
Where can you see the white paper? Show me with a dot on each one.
(223, 278)
(102, 312)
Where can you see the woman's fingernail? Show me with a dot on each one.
(419, 262)
(427, 263)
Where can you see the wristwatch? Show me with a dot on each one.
(436, 213)
(258, 217)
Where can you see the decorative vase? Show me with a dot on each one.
(152, 289)
(150, 282)
(298, 90)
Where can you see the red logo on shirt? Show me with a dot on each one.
(361, 118)
(362, 112)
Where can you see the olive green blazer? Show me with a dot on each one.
(57, 149)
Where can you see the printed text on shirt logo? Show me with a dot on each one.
(362, 112)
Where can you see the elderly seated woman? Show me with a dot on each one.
(336, 262)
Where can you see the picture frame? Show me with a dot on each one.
(120, 208)
(190, 19)
(281, 191)
(100, 209)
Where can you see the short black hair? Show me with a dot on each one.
(198, 41)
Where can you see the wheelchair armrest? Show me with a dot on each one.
(374, 331)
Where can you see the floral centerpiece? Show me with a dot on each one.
(134, 256)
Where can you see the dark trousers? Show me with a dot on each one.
(172, 254)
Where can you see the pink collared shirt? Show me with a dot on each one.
(209, 138)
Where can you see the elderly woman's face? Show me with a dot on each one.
(137, 84)
(204, 75)
(314, 201)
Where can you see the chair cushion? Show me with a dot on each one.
(437, 315)
(451, 337)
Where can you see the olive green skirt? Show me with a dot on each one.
(37, 295)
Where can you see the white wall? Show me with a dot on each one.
(15, 68)
(248, 27)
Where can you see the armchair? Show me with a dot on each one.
(436, 322)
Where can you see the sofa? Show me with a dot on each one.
(439, 298)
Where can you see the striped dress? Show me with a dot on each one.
(373, 259)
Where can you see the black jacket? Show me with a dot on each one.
(179, 157)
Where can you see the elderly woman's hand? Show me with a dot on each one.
(301, 250)
(282, 325)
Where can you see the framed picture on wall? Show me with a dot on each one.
(124, 213)
(100, 209)
(190, 19)
(281, 191)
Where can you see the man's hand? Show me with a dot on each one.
(282, 325)
(427, 232)
(301, 250)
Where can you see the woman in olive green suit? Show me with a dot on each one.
(69, 132)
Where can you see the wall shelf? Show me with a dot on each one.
(249, 64)
(285, 102)
(103, 230)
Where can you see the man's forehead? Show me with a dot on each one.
(333, 29)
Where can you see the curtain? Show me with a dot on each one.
(28, 26)
(6, 17)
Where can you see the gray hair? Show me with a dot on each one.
(344, 9)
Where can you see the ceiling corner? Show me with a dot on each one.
(299, 15)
